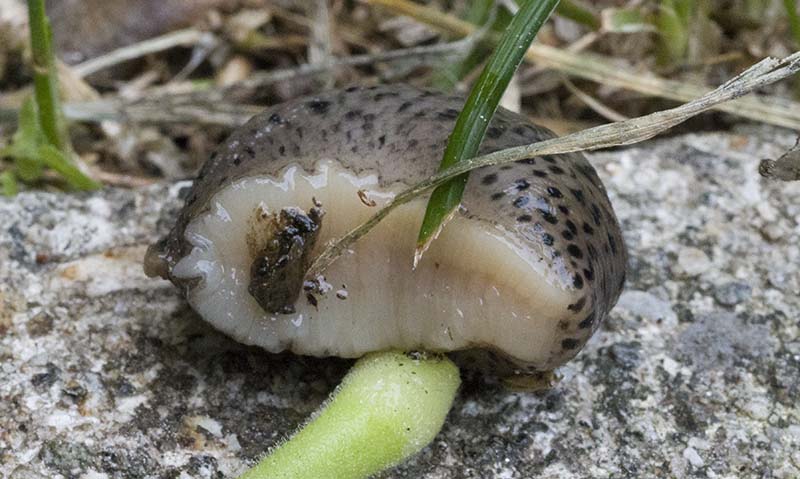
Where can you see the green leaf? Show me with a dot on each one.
(578, 13)
(794, 19)
(8, 183)
(478, 111)
(673, 27)
(625, 20)
(74, 177)
(24, 145)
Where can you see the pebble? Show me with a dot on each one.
(693, 261)
(732, 293)
(691, 455)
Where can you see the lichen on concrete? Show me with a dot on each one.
(107, 374)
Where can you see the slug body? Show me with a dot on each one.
(527, 269)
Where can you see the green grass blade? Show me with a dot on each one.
(448, 76)
(794, 19)
(23, 149)
(58, 162)
(578, 13)
(44, 77)
(478, 111)
(8, 183)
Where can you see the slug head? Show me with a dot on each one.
(282, 257)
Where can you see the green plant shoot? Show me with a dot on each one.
(41, 139)
(388, 407)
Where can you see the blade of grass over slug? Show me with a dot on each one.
(478, 111)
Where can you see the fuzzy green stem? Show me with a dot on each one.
(388, 407)
(44, 77)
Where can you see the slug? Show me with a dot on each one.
(524, 273)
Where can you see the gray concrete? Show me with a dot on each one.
(104, 373)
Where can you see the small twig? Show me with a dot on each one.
(626, 132)
(765, 109)
(319, 47)
(178, 38)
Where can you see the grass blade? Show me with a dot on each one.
(8, 183)
(478, 111)
(794, 19)
(44, 77)
(56, 160)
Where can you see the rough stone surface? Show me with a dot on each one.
(105, 374)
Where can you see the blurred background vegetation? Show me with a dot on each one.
(149, 87)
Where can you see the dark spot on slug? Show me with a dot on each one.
(494, 132)
(612, 243)
(589, 274)
(577, 281)
(574, 251)
(385, 94)
(549, 217)
(282, 150)
(570, 343)
(572, 227)
(547, 239)
(449, 114)
(381, 141)
(596, 214)
(524, 218)
(578, 305)
(563, 209)
(567, 235)
(539, 173)
(352, 115)
(351, 89)
(404, 106)
(276, 119)
(556, 169)
(497, 196)
(550, 159)
(527, 161)
(578, 194)
(588, 321)
(522, 130)
(522, 184)
(587, 228)
(319, 107)
(489, 179)
(554, 192)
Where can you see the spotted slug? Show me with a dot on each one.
(525, 272)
